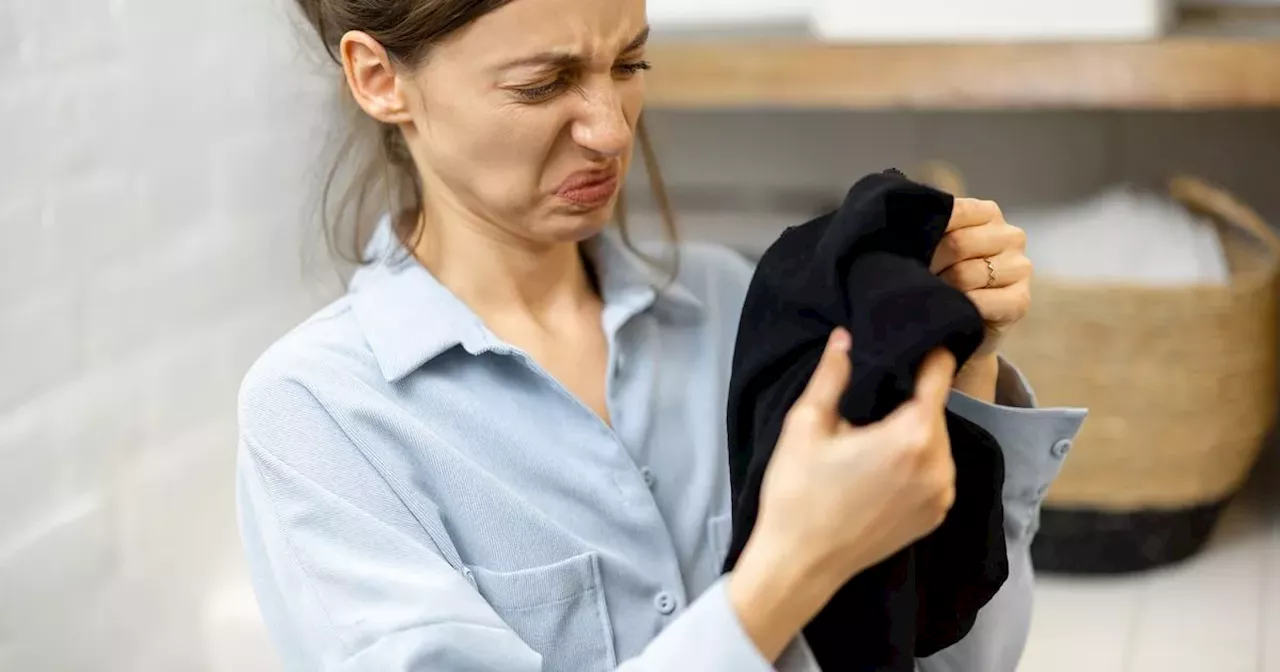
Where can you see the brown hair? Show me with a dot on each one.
(407, 29)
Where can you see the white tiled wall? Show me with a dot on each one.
(158, 161)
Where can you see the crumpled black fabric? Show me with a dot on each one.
(865, 266)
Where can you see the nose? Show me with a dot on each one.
(602, 126)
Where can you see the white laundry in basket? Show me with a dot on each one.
(1124, 235)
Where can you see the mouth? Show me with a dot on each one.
(589, 188)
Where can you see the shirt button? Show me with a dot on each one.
(647, 474)
(1061, 448)
(665, 603)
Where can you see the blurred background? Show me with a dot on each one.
(160, 167)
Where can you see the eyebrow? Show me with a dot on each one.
(563, 60)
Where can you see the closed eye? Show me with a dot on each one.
(633, 68)
(546, 91)
(537, 93)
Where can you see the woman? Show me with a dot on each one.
(503, 449)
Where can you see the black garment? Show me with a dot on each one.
(866, 267)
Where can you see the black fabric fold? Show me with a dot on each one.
(865, 266)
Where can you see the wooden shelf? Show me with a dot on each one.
(1200, 70)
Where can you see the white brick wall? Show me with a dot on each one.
(157, 166)
(158, 158)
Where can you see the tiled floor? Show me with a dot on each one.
(1218, 612)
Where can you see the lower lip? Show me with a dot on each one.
(593, 194)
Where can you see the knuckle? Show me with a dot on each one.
(994, 209)
(801, 416)
(942, 506)
(949, 498)
(923, 436)
(906, 458)
(915, 424)
(945, 476)
(915, 448)
(941, 494)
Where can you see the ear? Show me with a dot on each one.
(372, 78)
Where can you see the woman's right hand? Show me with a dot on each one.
(837, 499)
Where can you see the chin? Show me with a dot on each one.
(577, 224)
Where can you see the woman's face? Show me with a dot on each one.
(524, 122)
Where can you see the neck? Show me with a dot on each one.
(500, 275)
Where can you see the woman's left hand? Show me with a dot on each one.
(985, 257)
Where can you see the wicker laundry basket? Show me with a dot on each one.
(1181, 387)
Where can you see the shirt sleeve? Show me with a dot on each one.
(351, 578)
(1034, 441)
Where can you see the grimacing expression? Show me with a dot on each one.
(526, 118)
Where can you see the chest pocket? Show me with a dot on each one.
(557, 609)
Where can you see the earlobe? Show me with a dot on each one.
(372, 78)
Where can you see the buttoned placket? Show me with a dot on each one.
(631, 425)
(669, 591)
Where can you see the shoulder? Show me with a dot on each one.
(710, 269)
(716, 275)
(307, 369)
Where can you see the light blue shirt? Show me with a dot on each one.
(416, 494)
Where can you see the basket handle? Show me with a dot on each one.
(1199, 196)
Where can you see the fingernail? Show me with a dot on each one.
(840, 339)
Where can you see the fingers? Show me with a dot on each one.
(821, 397)
(973, 274)
(933, 382)
(977, 242)
(1005, 305)
(969, 212)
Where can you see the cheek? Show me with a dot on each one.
(511, 147)
(631, 97)
(489, 153)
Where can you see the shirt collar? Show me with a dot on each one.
(409, 318)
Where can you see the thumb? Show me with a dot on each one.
(821, 395)
(933, 383)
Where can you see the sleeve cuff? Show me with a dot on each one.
(798, 657)
(719, 635)
(1035, 441)
(709, 636)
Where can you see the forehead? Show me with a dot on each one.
(590, 29)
